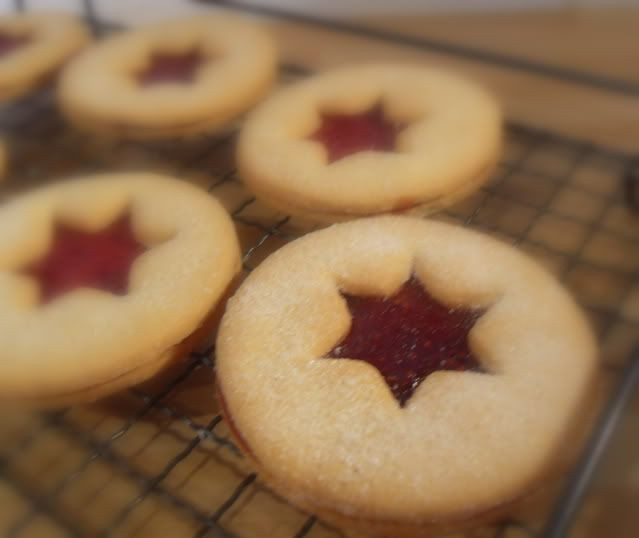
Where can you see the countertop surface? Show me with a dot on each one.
(604, 43)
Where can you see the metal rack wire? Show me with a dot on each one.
(157, 460)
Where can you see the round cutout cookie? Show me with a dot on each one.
(181, 77)
(33, 47)
(370, 139)
(104, 280)
(401, 375)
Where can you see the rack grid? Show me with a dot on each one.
(157, 460)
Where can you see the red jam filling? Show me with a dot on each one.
(79, 259)
(9, 43)
(408, 336)
(171, 67)
(343, 135)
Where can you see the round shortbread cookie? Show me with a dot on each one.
(337, 437)
(429, 137)
(104, 280)
(181, 77)
(33, 46)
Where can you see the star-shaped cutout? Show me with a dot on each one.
(345, 134)
(10, 42)
(171, 67)
(79, 259)
(407, 337)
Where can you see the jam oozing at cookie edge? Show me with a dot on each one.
(408, 336)
(79, 259)
(344, 134)
(9, 42)
(171, 67)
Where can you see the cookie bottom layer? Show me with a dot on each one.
(306, 219)
(381, 528)
(11, 92)
(132, 132)
(206, 125)
(150, 370)
(533, 505)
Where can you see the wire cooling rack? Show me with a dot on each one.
(157, 460)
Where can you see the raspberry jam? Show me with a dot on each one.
(408, 336)
(9, 43)
(343, 135)
(171, 67)
(80, 259)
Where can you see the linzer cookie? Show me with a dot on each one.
(33, 47)
(403, 376)
(175, 78)
(104, 281)
(370, 139)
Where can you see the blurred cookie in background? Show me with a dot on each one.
(176, 78)
(33, 47)
(370, 139)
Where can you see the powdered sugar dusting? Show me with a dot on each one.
(332, 430)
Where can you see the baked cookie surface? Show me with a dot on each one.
(33, 46)
(402, 374)
(4, 159)
(370, 139)
(103, 280)
(174, 78)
